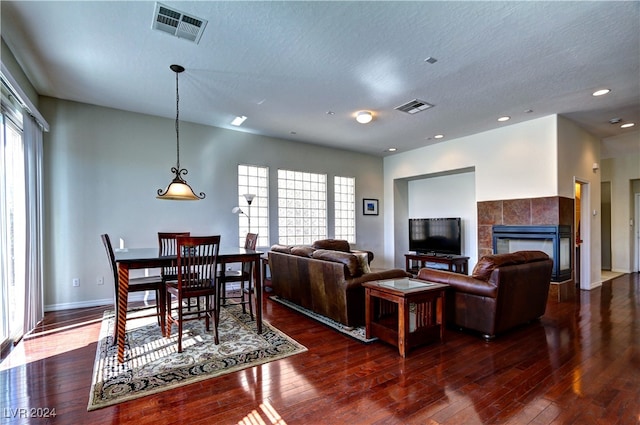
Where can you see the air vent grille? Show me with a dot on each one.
(414, 106)
(178, 23)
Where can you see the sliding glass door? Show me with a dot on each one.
(12, 225)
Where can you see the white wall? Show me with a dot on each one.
(512, 162)
(622, 168)
(448, 196)
(9, 60)
(577, 152)
(104, 166)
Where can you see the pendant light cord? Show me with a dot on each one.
(177, 124)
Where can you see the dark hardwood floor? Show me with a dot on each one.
(580, 364)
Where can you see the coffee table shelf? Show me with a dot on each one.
(405, 312)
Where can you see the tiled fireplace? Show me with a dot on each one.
(555, 241)
(546, 211)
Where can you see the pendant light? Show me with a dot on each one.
(178, 189)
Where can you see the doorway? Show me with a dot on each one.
(605, 220)
(582, 226)
(636, 232)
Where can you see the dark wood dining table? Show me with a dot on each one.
(147, 258)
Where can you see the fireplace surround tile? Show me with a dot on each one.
(485, 235)
(516, 211)
(489, 213)
(544, 211)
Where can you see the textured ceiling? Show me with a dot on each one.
(285, 65)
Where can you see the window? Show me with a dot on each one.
(253, 218)
(302, 207)
(345, 208)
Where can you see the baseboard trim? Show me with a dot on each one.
(135, 296)
(78, 304)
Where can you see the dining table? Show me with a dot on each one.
(146, 258)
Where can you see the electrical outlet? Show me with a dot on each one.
(76, 282)
(100, 280)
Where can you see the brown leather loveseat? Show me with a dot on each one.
(504, 291)
(326, 278)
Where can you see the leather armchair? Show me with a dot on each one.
(504, 291)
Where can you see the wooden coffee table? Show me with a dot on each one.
(405, 312)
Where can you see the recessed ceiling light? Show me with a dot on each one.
(392, 149)
(330, 113)
(505, 118)
(237, 121)
(438, 136)
(601, 92)
(628, 125)
(528, 111)
(364, 117)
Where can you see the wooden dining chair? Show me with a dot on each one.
(197, 261)
(137, 284)
(245, 274)
(167, 245)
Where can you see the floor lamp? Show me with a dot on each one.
(237, 210)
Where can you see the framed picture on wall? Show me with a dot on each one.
(370, 206)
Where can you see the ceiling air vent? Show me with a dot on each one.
(177, 23)
(414, 106)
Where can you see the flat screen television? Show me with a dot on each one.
(435, 236)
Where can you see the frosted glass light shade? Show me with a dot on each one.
(364, 117)
(249, 197)
(179, 190)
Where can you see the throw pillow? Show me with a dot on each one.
(332, 244)
(352, 269)
(302, 251)
(363, 262)
(285, 249)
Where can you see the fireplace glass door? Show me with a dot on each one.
(555, 241)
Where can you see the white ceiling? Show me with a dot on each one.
(286, 64)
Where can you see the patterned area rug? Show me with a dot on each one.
(358, 332)
(152, 363)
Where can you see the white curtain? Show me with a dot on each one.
(33, 307)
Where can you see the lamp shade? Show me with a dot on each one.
(249, 197)
(178, 190)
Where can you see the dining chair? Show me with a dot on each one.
(197, 261)
(137, 284)
(167, 245)
(245, 274)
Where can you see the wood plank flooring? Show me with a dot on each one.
(580, 364)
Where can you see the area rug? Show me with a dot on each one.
(152, 363)
(358, 332)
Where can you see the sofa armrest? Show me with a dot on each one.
(459, 282)
(379, 275)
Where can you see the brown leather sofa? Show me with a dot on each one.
(504, 291)
(326, 278)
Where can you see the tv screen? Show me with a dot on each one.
(435, 235)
